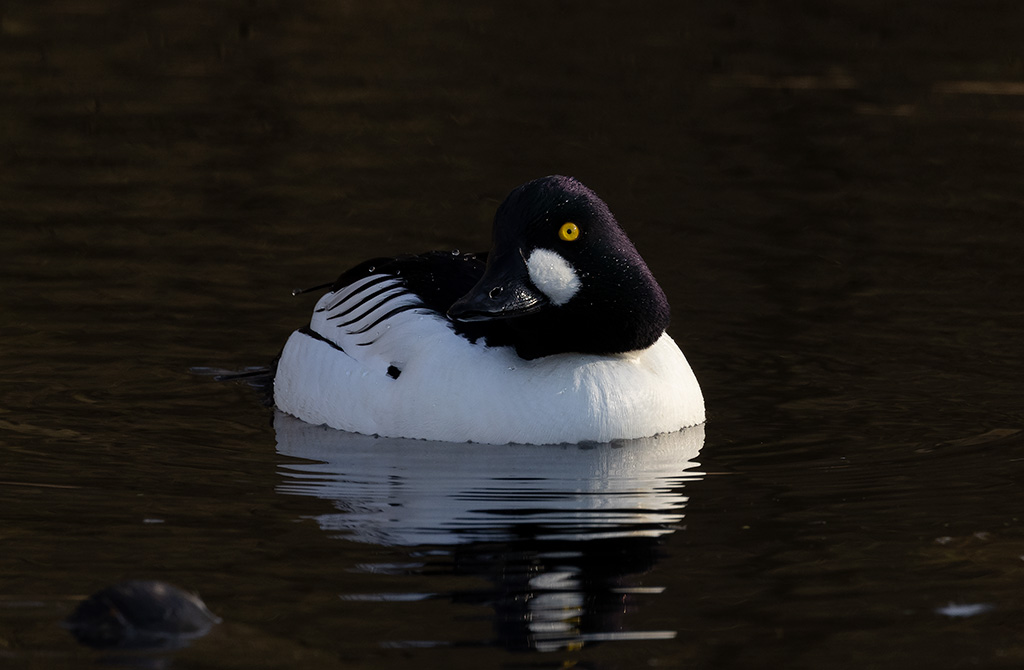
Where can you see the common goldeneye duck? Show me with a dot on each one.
(556, 335)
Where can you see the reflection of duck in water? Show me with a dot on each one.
(557, 335)
(557, 529)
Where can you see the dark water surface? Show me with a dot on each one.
(831, 194)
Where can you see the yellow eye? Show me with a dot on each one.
(569, 232)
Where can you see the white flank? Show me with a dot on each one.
(453, 390)
(553, 275)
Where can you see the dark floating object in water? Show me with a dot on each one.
(140, 614)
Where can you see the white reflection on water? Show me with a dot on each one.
(559, 531)
(394, 491)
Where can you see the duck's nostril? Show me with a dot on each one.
(494, 292)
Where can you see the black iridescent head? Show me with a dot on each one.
(563, 277)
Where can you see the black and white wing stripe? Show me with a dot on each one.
(365, 299)
(358, 313)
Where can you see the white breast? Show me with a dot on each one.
(453, 390)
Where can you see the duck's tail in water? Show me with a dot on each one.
(260, 378)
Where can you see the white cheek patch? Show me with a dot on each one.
(553, 275)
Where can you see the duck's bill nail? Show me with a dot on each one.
(502, 300)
